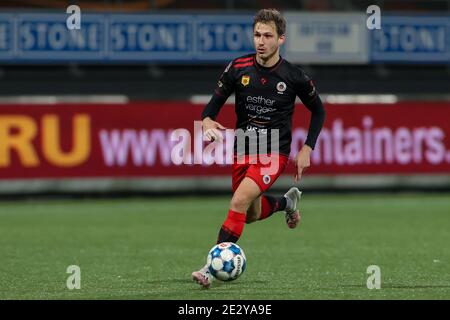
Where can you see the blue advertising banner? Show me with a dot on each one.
(6, 36)
(150, 38)
(311, 38)
(411, 39)
(218, 36)
(46, 37)
(124, 38)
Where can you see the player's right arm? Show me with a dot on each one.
(225, 87)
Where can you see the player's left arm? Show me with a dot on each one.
(307, 92)
(225, 87)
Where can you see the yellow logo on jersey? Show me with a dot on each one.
(245, 80)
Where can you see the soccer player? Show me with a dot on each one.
(265, 87)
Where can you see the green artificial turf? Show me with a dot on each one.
(147, 248)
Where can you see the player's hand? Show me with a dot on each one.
(211, 130)
(302, 161)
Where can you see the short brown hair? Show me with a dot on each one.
(269, 15)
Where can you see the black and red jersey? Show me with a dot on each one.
(265, 99)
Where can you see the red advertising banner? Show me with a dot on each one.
(163, 139)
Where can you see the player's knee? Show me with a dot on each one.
(239, 203)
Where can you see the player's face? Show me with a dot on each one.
(266, 40)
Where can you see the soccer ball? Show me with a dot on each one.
(226, 261)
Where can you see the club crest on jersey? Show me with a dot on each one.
(281, 87)
(245, 80)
